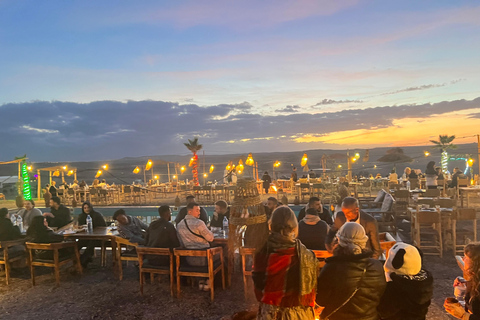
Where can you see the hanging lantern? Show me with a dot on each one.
(304, 160)
(240, 165)
(105, 167)
(229, 166)
(99, 173)
(191, 161)
(277, 164)
(69, 173)
(149, 165)
(249, 161)
(136, 170)
(56, 173)
(212, 167)
(182, 169)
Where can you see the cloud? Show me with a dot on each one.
(288, 109)
(330, 101)
(101, 130)
(423, 87)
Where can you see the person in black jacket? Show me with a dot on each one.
(39, 232)
(53, 189)
(97, 221)
(59, 215)
(312, 231)
(351, 283)
(221, 211)
(323, 213)
(409, 287)
(266, 181)
(161, 234)
(7, 230)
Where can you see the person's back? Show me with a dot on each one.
(7, 230)
(313, 235)
(61, 215)
(161, 234)
(133, 230)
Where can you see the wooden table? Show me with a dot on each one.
(222, 241)
(466, 191)
(100, 233)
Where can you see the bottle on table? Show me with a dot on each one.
(89, 224)
(225, 225)
(13, 218)
(408, 185)
(19, 223)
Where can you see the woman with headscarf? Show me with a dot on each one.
(431, 176)
(409, 286)
(351, 283)
(97, 221)
(471, 273)
(39, 232)
(285, 272)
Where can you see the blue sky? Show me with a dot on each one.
(318, 57)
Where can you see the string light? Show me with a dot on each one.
(27, 195)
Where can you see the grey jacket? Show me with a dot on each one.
(134, 231)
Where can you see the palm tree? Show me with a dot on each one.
(194, 147)
(443, 144)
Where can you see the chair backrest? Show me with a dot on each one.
(462, 182)
(413, 183)
(428, 202)
(432, 193)
(127, 189)
(141, 251)
(305, 185)
(445, 203)
(466, 214)
(387, 203)
(380, 196)
(303, 180)
(403, 195)
(245, 251)
(428, 217)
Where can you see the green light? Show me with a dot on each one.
(26, 182)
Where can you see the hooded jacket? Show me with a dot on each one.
(338, 280)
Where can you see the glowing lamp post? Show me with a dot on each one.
(99, 173)
(276, 164)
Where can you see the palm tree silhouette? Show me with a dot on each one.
(443, 144)
(194, 147)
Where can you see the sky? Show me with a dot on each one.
(94, 80)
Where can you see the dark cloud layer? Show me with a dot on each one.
(326, 102)
(49, 131)
(288, 109)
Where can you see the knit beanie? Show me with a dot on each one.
(352, 236)
(403, 259)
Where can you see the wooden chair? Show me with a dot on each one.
(6, 258)
(400, 207)
(463, 214)
(321, 256)
(127, 194)
(57, 261)
(386, 242)
(317, 190)
(209, 271)
(384, 215)
(246, 270)
(126, 255)
(154, 269)
(429, 202)
(432, 193)
(428, 223)
(445, 203)
(414, 183)
(304, 190)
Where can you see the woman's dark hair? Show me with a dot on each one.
(430, 168)
(283, 221)
(118, 213)
(3, 212)
(472, 250)
(89, 205)
(36, 227)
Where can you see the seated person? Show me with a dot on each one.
(194, 234)
(272, 204)
(323, 213)
(457, 174)
(28, 212)
(285, 271)
(97, 221)
(351, 212)
(409, 286)
(129, 227)
(161, 234)
(312, 231)
(7, 230)
(59, 215)
(183, 212)
(351, 283)
(39, 232)
(221, 211)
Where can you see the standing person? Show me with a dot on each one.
(351, 212)
(351, 283)
(323, 213)
(29, 212)
(7, 230)
(294, 175)
(409, 286)
(312, 231)
(161, 234)
(59, 215)
(285, 272)
(194, 234)
(183, 212)
(431, 176)
(471, 274)
(53, 189)
(47, 196)
(221, 211)
(129, 227)
(267, 180)
(97, 221)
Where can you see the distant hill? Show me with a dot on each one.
(121, 169)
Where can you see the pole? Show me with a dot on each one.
(204, 179)
(145, 175)
(39, 185)
(75, 174)
(168, 171)
(50, 176)
(349, 167)
(478, 144)
(63, 177)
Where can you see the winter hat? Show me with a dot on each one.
(403, 259)
(352, 236)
